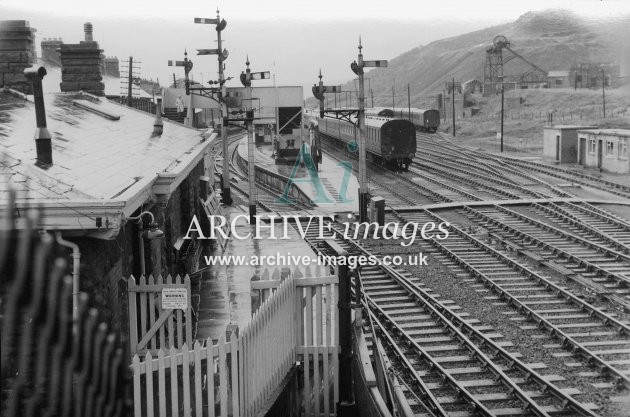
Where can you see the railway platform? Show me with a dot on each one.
(339, 198)
(224, 290)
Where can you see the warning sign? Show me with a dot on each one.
(174, 298)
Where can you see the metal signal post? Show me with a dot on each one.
(222, 55)
(246, 80)
(357, 68)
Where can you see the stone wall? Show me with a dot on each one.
(103, 264)
(107, 264)
(17, 52)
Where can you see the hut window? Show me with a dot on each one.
(623, 148)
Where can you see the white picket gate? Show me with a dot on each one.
(240, 377)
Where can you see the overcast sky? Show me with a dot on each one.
(293, 38)
(315, 9)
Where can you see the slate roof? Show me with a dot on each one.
(95, 159)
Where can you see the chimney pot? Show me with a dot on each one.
(87, 28)
(43, 143)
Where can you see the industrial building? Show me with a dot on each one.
(558, 79)
(591, 75)
(560, 143)
(606, 149)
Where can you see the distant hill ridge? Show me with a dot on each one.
(552, 39)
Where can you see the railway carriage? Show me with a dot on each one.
(425, 120)
(389, 141)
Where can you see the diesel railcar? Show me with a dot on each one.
(425, 120)
(389, 142)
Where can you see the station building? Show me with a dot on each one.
(108, 170)
(270, 103)
(606, 149)
(560, 143)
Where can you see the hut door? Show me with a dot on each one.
(599, 153)
(582, 150)
(557, 148)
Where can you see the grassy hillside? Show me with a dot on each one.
(523, 123)
(552, 39)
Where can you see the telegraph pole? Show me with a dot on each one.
(604, 92)
(130, 83)
(408, 101)
(246, 79)
(357, 68)
(222, 55)
(393, 99)
(502, 107)
(453, 99)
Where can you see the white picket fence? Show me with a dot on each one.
(241, 377)
(317, 329)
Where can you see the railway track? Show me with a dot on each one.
(571, 176)
(453, 365)
(594, 224)
(591, 334)
(512, 168)
(387, 183)
(267, 198)
(600, 262)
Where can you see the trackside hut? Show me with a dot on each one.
(606, 149)
(107, 166)
(560, 143)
